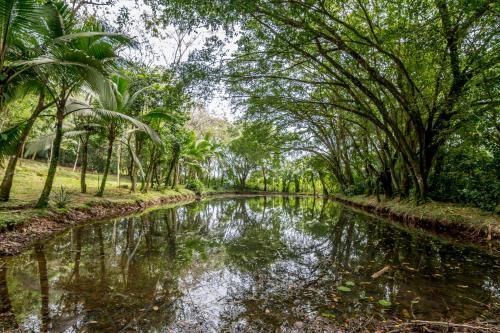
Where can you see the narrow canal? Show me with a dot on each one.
(243, 264)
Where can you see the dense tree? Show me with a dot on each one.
(391, 80)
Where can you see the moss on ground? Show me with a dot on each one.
(30, 178)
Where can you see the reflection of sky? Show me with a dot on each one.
(217, 288)
(207, 298)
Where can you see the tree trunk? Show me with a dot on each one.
(265, 179)
(118, 162)
(44, 287)
(176, 176)
(323, 185)
(43, 201)
(83, 171)
(149, 173)
(111, 141)
(313, 184)
(76, 159)
(131, 168)
(8, 178)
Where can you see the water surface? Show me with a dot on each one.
(245, 264)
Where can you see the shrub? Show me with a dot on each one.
(61, 198)
(195, 185)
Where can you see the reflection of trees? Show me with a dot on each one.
(44, 286)
(283, 259)
(136, 289)
(7, 318)
(335, 245)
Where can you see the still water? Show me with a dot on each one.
(242, 264)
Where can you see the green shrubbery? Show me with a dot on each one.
(195, 185)
(468, 175)
(61, 198)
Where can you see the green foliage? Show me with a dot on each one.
(384, 303)
(61, 197)
(195, 185)
(468, 175)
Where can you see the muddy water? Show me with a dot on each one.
(245, 264)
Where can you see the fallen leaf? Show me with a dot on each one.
(384, 302)
(380, 272)
(328, 315)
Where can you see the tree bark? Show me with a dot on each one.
(111, 141)
(77, 153)
(83, 171)
(118, 162)
(265, 179)
(8, 178)
(149, 173)
(43, 201)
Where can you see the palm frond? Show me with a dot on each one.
(17, 16)
(82, 109)
(117, 116)
(117, 37)
(134, 96)
(43, 143)
(10, 138)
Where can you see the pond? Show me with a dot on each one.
(259, 264)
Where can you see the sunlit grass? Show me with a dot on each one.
(30, 178)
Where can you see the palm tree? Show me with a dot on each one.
(19, 22)
(13, 145)
(112, 114)
(83, 55)
(193, 154)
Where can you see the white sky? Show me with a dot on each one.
(162, 48)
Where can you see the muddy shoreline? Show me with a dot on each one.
(23, 235)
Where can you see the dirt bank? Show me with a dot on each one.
(38, 228)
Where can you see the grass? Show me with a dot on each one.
(30, 178)
(449, 212)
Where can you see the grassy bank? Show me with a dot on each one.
(448, 217)
(29, 181)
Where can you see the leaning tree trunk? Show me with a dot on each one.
(111, 141)
(84, 162)
(8, 178)
(43, 201)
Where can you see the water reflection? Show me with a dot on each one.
(241, 264)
